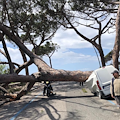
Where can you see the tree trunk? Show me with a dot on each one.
(8, 56)
(50, 61)
(100, 50)
(54, 75)
(25, 90)
(102, 56)
(24, 60)
(98, 46)
(116, 49)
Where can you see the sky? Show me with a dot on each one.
(74, 53)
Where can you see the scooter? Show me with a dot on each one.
(49, 89)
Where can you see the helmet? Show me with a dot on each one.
(47, 82)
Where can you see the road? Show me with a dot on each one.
(71, 102)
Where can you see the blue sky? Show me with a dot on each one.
(74, 53)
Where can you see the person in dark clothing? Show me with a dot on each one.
(48, 88)
(81, 83)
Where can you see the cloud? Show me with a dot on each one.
(15, 55)
(66, 58)
(70, 57)
(70, 39)
(108, 41)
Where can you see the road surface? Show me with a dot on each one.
(71, 102)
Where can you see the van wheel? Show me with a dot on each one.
(95, 94)
(100, 95)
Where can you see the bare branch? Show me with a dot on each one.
(2, 53)
(87, 39)
(95, 38)
(8, 63)
(7, 54)
(109, 2)
(90, 25)
(48, 38)
(106, 25)
(26, 64)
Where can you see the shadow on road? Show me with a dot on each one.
(43, 106)
(66, 86)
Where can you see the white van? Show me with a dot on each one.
(99, 81)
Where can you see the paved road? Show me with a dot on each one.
(72, 102)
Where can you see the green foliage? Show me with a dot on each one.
(92, 7)
(108, 57)
(3, 69)
(90, 4)
(47, 49)
(31, 18)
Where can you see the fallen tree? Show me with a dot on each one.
(45, 71)
(53, 75)
(30, 24)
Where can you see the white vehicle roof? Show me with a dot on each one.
(104, 73)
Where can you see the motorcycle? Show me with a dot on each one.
(49, 89)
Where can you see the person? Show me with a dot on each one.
(81, 83)
(115, 87)
(47, 87)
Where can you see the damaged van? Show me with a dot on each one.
(99, 81)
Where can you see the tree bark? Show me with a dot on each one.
(50, 61)
(25, 90)
(101, 56)
(116, 49)
(54, 75)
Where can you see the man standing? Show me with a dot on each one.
(115, 87)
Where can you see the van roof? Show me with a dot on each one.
(110, 67)
(104, 73)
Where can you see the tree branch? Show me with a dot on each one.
(8, 63)
(3, 53)
(26, 64)
(7, 55)
(81, 35)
